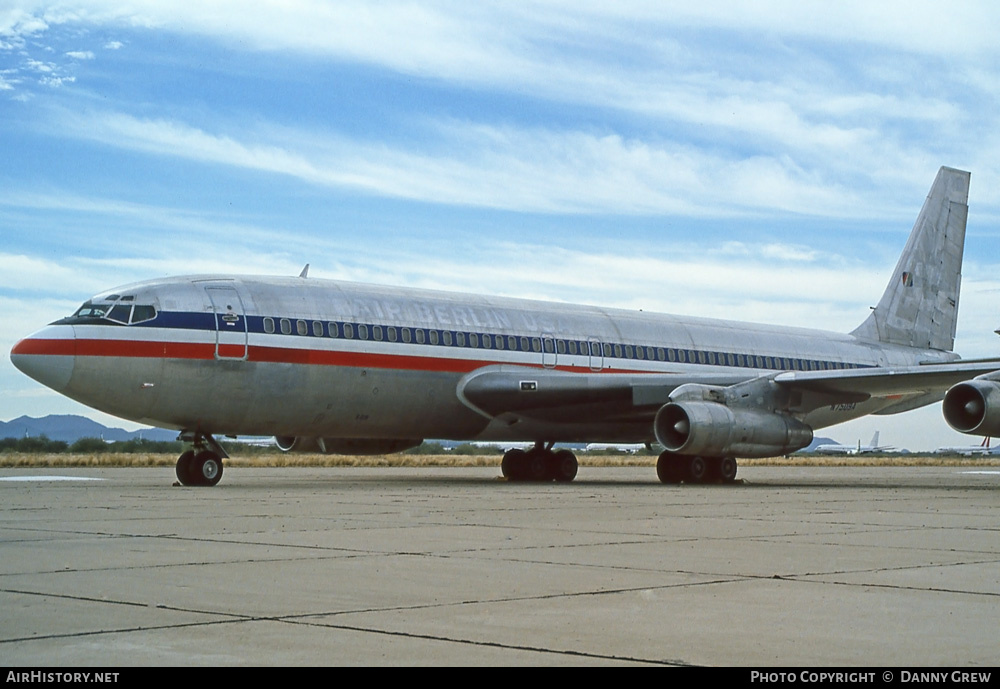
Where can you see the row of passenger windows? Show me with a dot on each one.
(550, 345)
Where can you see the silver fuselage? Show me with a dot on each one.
(308, 357)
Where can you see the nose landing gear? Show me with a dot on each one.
(201, 466)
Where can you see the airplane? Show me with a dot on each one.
(338, 367)
(837, 449)
(969, 451)
(625, 448)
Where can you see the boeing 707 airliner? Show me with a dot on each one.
(339, 367)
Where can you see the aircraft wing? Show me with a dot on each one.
(890, 380)
(567, 397)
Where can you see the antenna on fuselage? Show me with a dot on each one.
(305, 272)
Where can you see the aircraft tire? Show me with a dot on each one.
(537, 465)
(669, 469)
(183, 469)
(206, 468)
(513, 465)
(564, 466)
(726, 469)
(697, 470)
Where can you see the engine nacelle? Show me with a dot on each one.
(291, 443)
(715, 430)
(973, 407)
(345, 446)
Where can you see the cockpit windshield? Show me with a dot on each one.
(127, 313)
(89, 310)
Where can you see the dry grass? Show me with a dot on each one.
(276, 459)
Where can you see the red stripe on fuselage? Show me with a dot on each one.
(206, 351)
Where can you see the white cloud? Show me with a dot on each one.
(514, 169)
(80, 54)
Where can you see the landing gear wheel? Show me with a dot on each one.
(669, 468)
(206, 468)
(726, 469)
(564, 466)
(184, 463)
(697, 470)
(513, 465)
(537, 465)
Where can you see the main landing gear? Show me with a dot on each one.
(671, 468)
(539, 463)
(201, 466)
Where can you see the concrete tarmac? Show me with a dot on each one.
(349, 566)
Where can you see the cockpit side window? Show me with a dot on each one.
(142, 312)
(120, 313)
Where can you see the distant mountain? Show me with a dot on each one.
(70, 428)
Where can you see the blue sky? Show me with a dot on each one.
(762, 161)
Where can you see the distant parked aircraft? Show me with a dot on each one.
(835, 449)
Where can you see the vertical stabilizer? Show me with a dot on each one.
(920, 305)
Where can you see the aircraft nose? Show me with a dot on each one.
(47, 356)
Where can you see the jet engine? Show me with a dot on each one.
(716, 430)
(973, 407)
(345, 446)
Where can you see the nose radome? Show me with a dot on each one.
(47, 356)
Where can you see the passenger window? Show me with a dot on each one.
(448, 338)
(407, 335)
(460, 339)
(377, 331)
(317, 329)
(362, 331)
(421, 336)
(269, 325)
(392, 334)
(301, 328)
(349, 331)
(286, 326)
(435, 337)
(331, 328)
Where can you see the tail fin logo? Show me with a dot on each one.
(907, 279)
